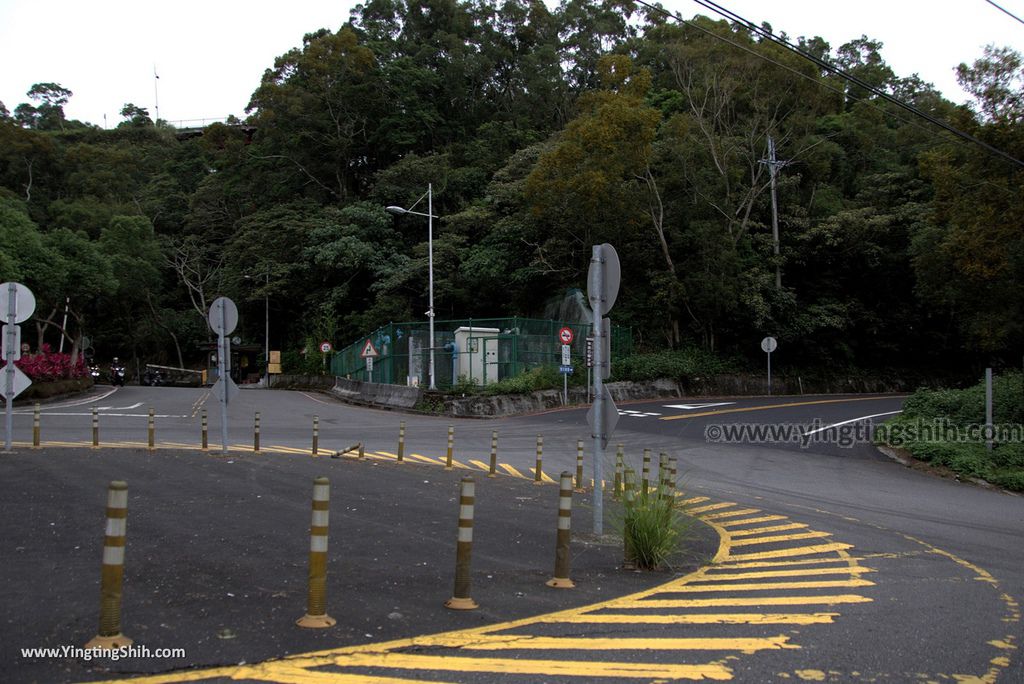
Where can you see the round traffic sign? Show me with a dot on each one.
(325, 347)
(24, 302)
(769, 344)
(223, 316)
(565, 335)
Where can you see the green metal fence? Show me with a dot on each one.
(482, 351)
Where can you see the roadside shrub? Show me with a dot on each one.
(672, 365)
(47, 365)
(540, 378)
(652, 529)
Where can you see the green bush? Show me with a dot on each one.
(652, 529)
(540, 378)
(672, 365)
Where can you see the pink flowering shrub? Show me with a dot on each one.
(50, 365)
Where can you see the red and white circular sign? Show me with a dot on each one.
(325, 347)
(565, 335)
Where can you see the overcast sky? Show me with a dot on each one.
(210, 55)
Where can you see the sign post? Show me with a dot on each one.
(768, 345)
(223, 318)
(602, 289)
(16, 304)
(566, 336)
(369, 353)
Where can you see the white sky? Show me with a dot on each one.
(210, 55)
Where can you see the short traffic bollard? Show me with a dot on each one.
(562, 539)
(579, 465)
(316, 604)
(401, 441)
(461, 599)
(646, 475)
(537, 473)
(256, 433)
(205, 427)
(95, 429)
(493, 471)
(112, 575)
(663, 486)
(35, 428)
(451, 444)
(629, 556)
(672, 478)
(362, 453)
(316, 434)
(152, 429)
(617, 489)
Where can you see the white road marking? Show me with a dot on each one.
(118, 415)
(852, 420)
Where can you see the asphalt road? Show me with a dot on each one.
(833, 563)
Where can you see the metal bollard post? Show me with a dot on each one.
(540, 461)
(401, 441)
(112, 575)
(316, 434)
(256, 433)
(663, 476)
(316, 604)
(152, 429)
(561, 578)
(646, 475)
(95, 429)
(205, 439)
(460, 599)
(362, 453)
(35, 428)
(493, 471)
(672, 478)
(451, 444)
(579, 465)
(617, 488)
(629, 556)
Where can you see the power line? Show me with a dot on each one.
(768, 35)
(1005, 11)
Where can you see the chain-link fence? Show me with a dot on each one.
(480, 351)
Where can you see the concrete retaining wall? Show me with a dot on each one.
(398, 396)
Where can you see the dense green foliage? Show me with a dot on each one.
(542, 132)
(940, 426)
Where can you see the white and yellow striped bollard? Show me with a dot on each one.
(561, 579)
(316, 616)
(112, 575)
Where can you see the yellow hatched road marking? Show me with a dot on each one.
(737, 601)
(515, 642)
(511, 470)
(552, 668)
(709, 507)
(787, 553)
(730, 514)
(544, 478)
(760, 586)
(694, 500)
(765, 530)
(848, 570)
(427, 459)
(290, 673)
(782, 563)
(779, 538)
(479, 464)
(703, 619)
(750, 521)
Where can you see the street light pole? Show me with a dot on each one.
(430, 266)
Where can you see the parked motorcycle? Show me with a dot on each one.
(116, 373)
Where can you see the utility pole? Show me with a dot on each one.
(773, 169)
